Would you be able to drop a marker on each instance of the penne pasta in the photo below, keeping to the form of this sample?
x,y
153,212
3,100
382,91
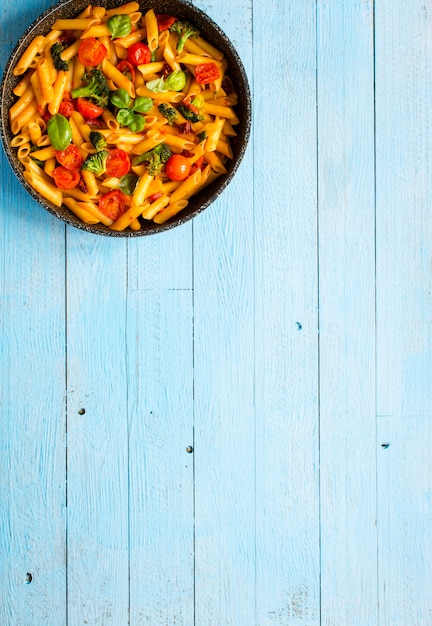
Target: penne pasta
x,y
47,190
29,55
152,29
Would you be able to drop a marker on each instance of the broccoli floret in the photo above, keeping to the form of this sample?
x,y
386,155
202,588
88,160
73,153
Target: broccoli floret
x,y
56,50
184,30
95,88
96,163
155,159
168,111
191,116
97,140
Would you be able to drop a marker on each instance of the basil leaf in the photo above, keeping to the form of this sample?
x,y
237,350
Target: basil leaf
x,y
119,25
59,131
142,104
120,98
176,80
158,85
128,183
124,117
137,124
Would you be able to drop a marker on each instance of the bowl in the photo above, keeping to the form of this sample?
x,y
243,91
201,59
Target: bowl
x,y
211,32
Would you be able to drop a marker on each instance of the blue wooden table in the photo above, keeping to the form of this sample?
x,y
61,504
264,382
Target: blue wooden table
x,y
230,424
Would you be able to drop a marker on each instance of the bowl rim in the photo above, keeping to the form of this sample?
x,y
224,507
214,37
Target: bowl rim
x,y
68,217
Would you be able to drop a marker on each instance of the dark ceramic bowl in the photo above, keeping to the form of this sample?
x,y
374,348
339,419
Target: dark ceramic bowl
x,y
210,31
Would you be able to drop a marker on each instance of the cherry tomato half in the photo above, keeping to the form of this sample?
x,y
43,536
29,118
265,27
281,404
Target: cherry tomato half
x,y
89,109
177,167
70,158
91,52
112,204
66,108
206,73
138,53
64,178
164,21
117,163
127,69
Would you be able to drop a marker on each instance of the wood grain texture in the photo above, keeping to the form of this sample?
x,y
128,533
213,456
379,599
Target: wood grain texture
x,y
286,344
32,405
347,313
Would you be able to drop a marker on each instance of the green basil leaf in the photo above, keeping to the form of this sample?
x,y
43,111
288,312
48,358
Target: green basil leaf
x,y
137,124
128,183
142,104
119,25
120,98
176,80
158,85
59,131
124,117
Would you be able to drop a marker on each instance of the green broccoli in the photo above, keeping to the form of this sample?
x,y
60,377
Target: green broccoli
x,y
155,159
96,163
56,50
95,88
97,140
189,114
168,111
184,30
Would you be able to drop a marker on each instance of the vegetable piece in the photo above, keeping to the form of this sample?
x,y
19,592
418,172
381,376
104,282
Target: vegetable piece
x,y
137,124
168,112
127,69
112,204
125,117
120,98
158,85
66,108
89,109
56,50
189,114
59,131
142,104
64,178
117,163
70,158
138,54
155,159
95,87
164,21
97,140
119,25
177,167
176,80
91,52
96,163
128,183
206,73
184,30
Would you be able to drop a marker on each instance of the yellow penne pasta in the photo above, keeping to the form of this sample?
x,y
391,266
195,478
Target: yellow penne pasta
x,y
128,7
59,90
119,79
98,12
77,137
22,103
80,195
207,47
82,126
43,141
187,188
31,166
220,111
47,190
50,165
224,148
45,153
151,209
170,211
152,29
35,132
133,37
141,190
77,73
169,56
20,140
51,38
79,211
71,51
45,80
150,69
110,120
37,90
74,23
135,225
215,162
23,151
34,48
213,131
90,182
96,30
149,143
22,86
24,117
178,141
166,96
94,210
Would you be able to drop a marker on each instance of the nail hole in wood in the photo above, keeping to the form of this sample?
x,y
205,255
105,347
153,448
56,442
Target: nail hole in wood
x,y
385,445
81,411
189,449
29,578
298,326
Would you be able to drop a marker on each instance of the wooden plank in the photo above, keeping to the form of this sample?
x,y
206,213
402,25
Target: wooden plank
x,y
286,341
98,555
223,383
160,397
404,519
404,219
345,72
32,429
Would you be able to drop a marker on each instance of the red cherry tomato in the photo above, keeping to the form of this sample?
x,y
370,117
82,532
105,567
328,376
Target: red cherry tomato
x,y
127,69
118,163
164,21
64,178
112,204
138,53
70,158
66,108
177,167
91,52
206,73
89,109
